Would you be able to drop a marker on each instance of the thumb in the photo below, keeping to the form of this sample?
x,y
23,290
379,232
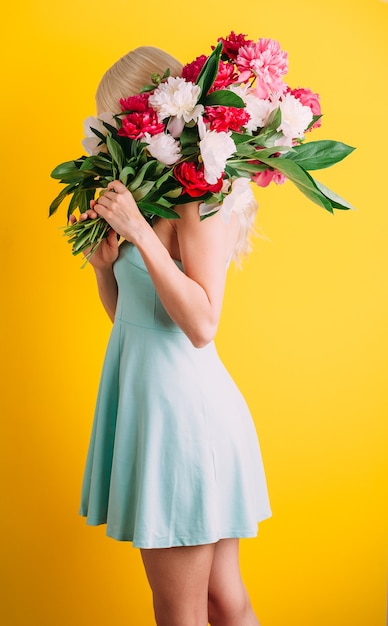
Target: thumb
x,y
113,238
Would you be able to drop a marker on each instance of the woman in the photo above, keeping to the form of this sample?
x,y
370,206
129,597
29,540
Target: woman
x,y
174,464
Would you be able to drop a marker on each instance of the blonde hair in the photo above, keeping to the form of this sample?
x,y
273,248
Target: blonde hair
x,y
246,231
126,78
131,73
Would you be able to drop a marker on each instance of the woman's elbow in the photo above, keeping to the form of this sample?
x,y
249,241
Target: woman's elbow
x,y
202,335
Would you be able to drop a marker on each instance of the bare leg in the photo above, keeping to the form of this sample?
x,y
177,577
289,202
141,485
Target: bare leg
x,y
229,604
179,579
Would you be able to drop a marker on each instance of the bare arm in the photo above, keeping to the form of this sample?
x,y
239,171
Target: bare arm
x,y
192,299
102,261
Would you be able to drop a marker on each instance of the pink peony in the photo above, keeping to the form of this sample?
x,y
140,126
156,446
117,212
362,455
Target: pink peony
x,y
223,118
267,62
263,179
232,43
308,99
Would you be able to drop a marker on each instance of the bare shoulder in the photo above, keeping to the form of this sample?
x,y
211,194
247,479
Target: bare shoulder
x,y
210,238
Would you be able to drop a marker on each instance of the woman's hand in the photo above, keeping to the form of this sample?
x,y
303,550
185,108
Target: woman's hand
x,y
108,250
118,207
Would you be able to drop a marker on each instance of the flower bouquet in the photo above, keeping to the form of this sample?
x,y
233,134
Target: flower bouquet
x,y
228,120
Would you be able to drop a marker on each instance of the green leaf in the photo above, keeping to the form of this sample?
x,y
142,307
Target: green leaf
x,y
59,199
189,137
239,138
73,204
143,190
317,155
336,201
115,150
155,209
301,179
147,88
67,171
137,181
223,97
125,173
274,120
209,71
174,193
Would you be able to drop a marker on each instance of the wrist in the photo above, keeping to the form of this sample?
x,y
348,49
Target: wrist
x,y
139,233
104,271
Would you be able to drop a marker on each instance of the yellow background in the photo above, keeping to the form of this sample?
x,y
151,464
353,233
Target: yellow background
x,y
304,329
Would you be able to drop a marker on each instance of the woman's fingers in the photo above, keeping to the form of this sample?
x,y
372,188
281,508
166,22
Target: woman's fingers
x,y
117,186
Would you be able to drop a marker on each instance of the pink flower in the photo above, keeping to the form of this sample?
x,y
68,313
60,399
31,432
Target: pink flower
x,y
223,118
267,62
308,99
232,43
263,179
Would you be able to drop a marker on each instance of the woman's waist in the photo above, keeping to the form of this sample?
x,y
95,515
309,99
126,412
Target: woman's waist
x,y
148,315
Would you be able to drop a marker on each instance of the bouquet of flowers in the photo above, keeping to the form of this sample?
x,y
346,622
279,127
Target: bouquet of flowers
x,y
228,120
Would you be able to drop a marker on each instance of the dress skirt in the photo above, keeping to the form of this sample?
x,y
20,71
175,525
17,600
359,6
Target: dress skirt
x,y
174,458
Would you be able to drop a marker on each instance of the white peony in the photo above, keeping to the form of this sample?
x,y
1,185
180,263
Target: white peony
x,y
91,142
163,147
258,109
295,119
215,148
176,98
239,200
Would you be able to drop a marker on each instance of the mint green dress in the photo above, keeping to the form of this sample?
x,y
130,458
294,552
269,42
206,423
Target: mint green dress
x,y
174,458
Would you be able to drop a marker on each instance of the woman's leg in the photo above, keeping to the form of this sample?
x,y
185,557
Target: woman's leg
x,y
229,604
179,579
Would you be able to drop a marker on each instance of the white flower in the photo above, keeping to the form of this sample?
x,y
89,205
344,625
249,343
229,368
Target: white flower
x,y
163,147
295,119
175,98
239,200
215,148
258,109
92,143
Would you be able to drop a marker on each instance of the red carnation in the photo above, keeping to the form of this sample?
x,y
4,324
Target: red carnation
x,y
136,125
223,119
193,181
191,71
232,44
138,103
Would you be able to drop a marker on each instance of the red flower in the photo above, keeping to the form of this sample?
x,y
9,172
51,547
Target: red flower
x,y
191,71
223,119
138,103
232,44
193,181
136,125
225,76
142,119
